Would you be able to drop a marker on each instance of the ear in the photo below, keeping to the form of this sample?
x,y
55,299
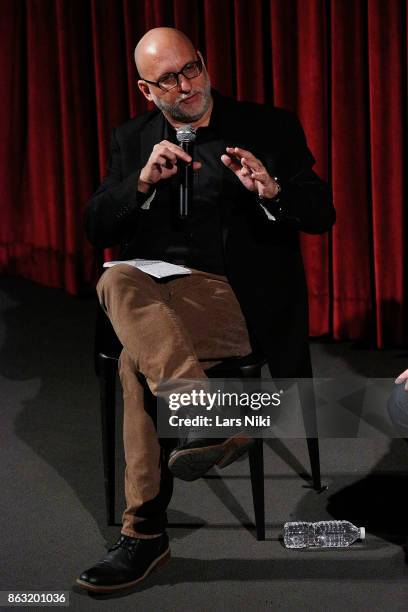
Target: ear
x,y
144,88
201,58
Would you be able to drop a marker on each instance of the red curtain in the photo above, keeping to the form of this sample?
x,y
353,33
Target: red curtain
x,y
67,77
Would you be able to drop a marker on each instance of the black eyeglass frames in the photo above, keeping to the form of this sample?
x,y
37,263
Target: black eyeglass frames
x,y
170,80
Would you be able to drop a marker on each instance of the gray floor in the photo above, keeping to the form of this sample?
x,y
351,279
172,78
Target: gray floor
x,y
52,498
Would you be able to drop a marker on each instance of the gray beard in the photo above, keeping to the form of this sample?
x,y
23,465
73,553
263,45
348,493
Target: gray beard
x,y
185,117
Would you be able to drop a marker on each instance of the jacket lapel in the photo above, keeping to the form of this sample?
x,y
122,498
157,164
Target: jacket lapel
x,y
151,134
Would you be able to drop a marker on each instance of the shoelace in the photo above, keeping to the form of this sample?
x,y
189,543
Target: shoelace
x,y
125,542
128,544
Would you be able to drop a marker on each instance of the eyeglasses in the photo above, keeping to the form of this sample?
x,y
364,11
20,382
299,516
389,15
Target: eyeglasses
x,y
170,80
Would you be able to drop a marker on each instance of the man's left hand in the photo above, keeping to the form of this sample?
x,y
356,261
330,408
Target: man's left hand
x,y
250,171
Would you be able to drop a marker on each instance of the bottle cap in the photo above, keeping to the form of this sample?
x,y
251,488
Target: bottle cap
x,y
362,533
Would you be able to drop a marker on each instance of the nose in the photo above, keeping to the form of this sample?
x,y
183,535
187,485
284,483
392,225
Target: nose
x,y
183,84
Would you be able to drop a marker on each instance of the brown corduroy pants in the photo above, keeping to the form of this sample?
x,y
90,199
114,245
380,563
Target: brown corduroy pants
x,y
170,329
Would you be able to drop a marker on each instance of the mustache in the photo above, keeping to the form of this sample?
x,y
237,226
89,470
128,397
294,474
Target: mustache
x,y
189,95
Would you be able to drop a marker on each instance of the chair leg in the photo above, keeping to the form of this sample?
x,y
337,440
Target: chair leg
x,y
256,465
308,404
314,455
107,381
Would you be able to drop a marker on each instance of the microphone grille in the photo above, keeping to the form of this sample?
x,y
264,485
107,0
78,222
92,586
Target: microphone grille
x,y
186,133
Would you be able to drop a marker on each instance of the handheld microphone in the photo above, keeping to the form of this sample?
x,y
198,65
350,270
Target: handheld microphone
x,y
186,136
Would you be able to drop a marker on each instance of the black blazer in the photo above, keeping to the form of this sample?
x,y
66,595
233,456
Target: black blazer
x,y
263,259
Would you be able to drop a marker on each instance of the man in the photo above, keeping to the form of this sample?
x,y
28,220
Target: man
x,y
254,190
398,404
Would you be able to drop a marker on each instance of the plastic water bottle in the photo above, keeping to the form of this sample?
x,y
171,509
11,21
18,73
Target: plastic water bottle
x,y
298,535
337,533
324,534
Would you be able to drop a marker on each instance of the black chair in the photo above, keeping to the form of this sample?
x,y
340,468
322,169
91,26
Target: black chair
x,y
107,351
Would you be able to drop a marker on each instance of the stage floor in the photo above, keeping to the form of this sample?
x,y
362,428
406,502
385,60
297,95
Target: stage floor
x,y
52,498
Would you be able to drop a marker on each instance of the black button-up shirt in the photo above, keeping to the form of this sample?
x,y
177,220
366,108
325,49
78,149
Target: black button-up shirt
x,y
197,242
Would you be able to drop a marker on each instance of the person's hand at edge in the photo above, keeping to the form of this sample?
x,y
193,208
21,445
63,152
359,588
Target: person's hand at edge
x,y
403,377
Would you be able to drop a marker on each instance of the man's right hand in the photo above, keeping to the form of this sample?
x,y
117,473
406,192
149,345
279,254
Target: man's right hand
x,y
162,164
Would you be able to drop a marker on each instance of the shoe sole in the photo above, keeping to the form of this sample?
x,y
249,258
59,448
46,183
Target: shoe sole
x,y
235,447
164,557
192,463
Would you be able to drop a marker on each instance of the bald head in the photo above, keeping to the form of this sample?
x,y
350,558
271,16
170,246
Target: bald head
x,y
162,51
157,44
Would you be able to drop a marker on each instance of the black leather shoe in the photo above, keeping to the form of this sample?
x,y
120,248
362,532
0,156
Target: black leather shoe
x,y
128,562
192,459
